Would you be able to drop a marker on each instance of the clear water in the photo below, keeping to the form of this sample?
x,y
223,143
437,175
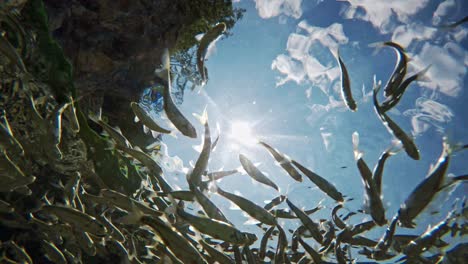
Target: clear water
x,y
277,76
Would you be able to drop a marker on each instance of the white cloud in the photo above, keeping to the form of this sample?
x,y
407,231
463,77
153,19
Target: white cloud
x,y
406,34
442,10
429,113
299,65
379,13
448,68
286,65
273,8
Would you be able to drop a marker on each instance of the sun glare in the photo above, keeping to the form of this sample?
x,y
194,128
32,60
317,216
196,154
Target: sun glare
x,y
242,134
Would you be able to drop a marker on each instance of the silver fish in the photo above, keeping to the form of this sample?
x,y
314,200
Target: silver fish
x,y
8,140
255,173
394,129
377,173
114,133
250,208
208,38
195,177
372,196
182,249
208,206
53,253
283,162
316,257
307,222
172,112
216,255
422,195
323,184
426,240
143,116
400,69
264,241
78,219
346,85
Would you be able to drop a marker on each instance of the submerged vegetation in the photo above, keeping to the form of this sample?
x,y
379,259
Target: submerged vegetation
x,y
70,195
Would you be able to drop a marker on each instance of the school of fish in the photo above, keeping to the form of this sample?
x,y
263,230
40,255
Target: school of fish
x,y
54,208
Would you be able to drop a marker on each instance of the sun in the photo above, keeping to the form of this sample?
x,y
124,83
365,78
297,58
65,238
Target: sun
x,y
242,134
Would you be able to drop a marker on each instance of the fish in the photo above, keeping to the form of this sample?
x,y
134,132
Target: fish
x,y
111,228
377,173
150,164
114,133
206,40
428,238
85,242
316,257
195,177
306,221
395,98
208,206
264,241
250,207
323,184
399,71
372,196
184,195
217,229
78,219
53,253
380,250
15,184
255,173
9,51
423,193
394,129
283,162
346,85
217,175
8,169
181,248
7,139
146,120
328,235
455,24
5,207
274,202
71,188
172,112
70,113
280,255
215,254
336,219
20,253
123,201
249,256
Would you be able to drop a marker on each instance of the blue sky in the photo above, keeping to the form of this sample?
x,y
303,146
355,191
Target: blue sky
x,y
277,74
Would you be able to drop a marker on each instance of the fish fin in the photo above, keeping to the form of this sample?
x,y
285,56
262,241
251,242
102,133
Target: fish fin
x,y
355,139
202,118
199,37
155,134
145,129
377,46
136,119
422,75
